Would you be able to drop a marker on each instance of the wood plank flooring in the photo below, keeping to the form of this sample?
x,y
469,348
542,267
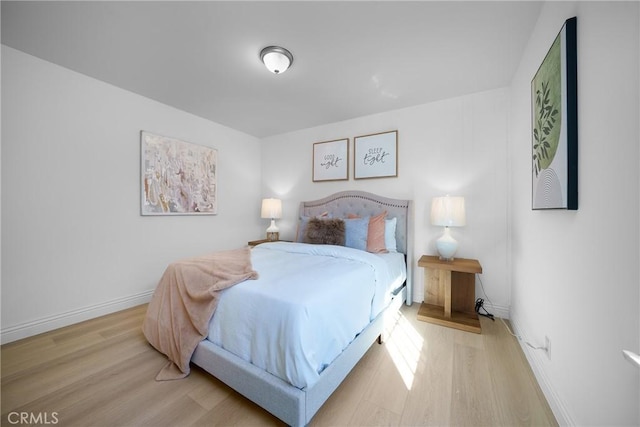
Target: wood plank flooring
x,y
101,373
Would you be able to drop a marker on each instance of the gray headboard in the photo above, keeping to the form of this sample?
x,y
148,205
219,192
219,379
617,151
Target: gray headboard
x,y
365,204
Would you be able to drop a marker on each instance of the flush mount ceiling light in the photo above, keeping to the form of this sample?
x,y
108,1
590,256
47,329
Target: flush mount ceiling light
x,y
276,59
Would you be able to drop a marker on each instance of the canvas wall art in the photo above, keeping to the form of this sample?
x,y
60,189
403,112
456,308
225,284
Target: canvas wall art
x,y
177,177
554,105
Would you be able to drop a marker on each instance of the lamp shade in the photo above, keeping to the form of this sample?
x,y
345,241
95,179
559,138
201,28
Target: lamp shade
x,y
276,59
448,211
271,208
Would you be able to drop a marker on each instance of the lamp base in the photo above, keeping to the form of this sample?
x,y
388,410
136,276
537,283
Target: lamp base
x,y
273,232
446,245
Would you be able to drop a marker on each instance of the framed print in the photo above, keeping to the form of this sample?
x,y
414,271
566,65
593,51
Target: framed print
x,y
331,160
177,177
554,116
375,156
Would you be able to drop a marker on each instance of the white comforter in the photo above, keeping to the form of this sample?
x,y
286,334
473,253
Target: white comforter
x,y
308,304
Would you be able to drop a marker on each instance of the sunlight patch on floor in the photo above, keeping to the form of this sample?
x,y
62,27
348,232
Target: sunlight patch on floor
x,y
405,346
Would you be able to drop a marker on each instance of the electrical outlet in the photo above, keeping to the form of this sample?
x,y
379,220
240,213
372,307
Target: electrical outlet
x,y
547,346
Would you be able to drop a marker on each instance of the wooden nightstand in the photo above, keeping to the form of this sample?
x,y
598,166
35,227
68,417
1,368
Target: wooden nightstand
x,y
257,242
450,292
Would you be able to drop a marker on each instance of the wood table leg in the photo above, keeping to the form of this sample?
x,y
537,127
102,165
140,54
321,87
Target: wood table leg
x,y
445,278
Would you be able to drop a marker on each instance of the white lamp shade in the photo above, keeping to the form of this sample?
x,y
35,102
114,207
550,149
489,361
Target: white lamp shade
x,y
448,211
271,208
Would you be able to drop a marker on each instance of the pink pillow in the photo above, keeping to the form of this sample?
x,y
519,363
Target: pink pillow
x,y
375,238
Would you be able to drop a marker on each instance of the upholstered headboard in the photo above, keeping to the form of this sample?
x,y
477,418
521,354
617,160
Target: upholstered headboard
x,y
362,203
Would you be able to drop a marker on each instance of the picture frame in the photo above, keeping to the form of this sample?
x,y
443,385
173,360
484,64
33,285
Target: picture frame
x,y
376,155
177,177
331,160
554,124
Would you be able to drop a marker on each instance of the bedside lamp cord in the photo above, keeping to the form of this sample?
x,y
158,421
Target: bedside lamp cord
x,y
480,306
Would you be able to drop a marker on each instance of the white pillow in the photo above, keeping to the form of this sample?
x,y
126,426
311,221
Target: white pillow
x,y
390,234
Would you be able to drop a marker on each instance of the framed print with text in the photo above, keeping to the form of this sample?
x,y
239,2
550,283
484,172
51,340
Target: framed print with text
x,y
376,156
331,160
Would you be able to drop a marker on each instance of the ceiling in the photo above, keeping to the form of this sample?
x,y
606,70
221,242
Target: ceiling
x,y
351,58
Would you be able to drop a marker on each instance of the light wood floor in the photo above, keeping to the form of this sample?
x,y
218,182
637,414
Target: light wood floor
x,y
101,373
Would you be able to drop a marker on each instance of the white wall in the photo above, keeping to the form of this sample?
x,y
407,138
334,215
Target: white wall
x,y
456,146
575,274
74,244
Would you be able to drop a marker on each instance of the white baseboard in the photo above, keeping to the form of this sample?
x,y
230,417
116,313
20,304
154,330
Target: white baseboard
x,y
45,324
536,360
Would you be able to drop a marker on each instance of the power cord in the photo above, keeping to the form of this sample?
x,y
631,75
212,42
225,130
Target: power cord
x,y
480,306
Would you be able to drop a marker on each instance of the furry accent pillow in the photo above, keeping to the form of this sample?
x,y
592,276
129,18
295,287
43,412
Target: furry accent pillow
x,y
302,225
325,231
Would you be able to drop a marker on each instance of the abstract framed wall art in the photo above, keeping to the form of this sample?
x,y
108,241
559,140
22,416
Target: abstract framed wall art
x,y
331,160
554,115
177,177
375,156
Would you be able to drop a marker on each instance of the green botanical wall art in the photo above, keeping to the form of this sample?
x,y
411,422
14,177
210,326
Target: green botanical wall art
x,y
554,114
547,114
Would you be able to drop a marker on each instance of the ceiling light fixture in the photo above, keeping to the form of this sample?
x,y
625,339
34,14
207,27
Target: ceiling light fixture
x,y
276,59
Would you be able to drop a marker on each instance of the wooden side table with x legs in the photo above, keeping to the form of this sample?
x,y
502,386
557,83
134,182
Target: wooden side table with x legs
x,y
450,292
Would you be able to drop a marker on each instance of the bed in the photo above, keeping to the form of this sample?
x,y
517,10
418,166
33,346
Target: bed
x,y
298,397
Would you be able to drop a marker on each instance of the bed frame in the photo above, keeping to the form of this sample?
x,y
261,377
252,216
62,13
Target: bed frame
x,y
297,406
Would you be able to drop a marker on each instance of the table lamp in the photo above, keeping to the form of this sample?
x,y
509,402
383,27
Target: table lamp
x,y
447,212
272,209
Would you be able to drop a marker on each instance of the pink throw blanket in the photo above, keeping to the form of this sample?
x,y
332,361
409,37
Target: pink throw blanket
x,y
186,297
